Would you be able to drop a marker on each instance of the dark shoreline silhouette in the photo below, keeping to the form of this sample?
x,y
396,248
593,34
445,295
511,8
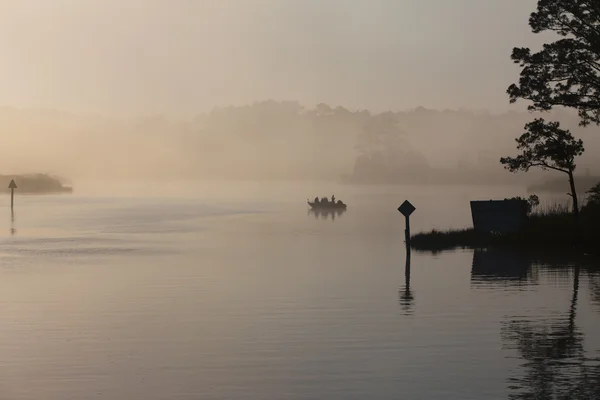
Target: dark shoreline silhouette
x,y
553,227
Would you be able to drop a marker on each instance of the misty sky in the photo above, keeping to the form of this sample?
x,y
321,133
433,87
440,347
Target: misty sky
x,y
185,56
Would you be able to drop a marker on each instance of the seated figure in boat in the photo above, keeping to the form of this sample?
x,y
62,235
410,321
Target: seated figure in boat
x,y
316,201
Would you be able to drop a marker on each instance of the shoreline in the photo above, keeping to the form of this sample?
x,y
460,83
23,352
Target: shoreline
x,y
550,229
436,241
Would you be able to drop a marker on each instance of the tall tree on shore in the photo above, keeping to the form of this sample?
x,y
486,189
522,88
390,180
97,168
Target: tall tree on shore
x,y
565,72
547,146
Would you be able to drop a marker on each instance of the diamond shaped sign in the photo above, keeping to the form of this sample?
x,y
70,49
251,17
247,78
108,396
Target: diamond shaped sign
x,y
406,208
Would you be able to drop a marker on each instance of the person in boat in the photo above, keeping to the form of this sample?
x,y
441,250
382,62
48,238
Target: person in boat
x,y
325,200
333,198
316,200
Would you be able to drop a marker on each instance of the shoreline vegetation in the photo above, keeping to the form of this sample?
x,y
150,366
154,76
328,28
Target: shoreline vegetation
x,y
552,227
545,145
35,184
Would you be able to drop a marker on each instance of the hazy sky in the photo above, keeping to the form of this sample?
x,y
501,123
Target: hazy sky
x,y
184,56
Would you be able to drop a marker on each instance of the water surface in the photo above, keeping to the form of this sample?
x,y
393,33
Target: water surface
x,y
236,291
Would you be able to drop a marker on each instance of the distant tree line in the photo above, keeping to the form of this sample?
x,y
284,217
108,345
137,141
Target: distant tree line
x,y
271,140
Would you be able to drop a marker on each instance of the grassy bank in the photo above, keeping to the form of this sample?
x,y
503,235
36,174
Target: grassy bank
x,y
552,227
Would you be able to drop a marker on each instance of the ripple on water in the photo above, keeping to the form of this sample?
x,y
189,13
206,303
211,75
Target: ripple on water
x,y
75,247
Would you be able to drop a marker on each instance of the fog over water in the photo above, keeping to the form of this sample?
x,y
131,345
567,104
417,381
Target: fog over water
x,y
186,263
263,89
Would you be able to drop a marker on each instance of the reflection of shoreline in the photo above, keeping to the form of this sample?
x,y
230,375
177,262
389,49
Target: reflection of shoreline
x,y
495,265
509,266
556,364
553,360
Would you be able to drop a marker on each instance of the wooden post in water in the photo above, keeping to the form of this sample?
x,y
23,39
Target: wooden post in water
x,y
406,295
407,270
407,209
407,232
12,186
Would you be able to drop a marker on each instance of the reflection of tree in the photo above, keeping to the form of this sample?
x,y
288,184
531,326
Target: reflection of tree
x,y
593,277
594,282
555,366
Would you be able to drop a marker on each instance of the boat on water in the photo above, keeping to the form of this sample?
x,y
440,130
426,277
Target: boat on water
x,y
324,204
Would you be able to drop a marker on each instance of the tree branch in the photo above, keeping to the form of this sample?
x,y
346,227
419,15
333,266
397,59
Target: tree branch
x,y
545,165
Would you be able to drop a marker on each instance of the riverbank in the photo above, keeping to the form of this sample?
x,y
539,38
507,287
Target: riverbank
x,y
552,228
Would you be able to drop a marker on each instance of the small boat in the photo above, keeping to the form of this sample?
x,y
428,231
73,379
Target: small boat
x,y
321,205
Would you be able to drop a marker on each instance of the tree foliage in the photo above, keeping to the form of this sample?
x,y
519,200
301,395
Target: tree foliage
x,y
565,72
594,195
532,202
547,146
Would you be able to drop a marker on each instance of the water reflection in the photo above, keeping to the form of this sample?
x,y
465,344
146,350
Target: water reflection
x,y
554,360
501,267
554,364
594,284
518,269
405,294
325,214
592,268
13,230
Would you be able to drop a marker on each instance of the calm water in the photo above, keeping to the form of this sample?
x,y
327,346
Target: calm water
x,y
236,291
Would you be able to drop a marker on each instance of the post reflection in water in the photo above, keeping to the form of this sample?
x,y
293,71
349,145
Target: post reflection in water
x,y
13,230
554,362
405,294
325,214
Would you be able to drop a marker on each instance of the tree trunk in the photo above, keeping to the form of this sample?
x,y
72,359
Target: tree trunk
x,y
575,206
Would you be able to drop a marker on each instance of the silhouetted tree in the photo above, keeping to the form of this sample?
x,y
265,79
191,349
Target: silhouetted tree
x,y
549,147
323,109
565,72
594,195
